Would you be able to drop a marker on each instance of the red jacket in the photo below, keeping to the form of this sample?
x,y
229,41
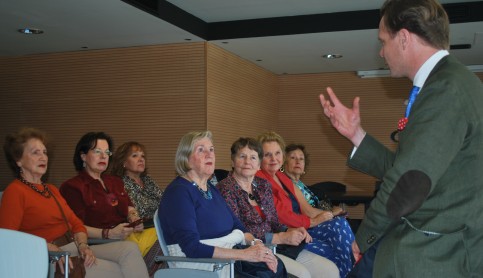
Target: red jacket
x,y
283,204
92,204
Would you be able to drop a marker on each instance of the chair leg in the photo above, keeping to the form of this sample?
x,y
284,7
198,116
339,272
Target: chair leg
x,y
52,269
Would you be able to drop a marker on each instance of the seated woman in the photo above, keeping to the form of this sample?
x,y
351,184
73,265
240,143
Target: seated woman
x,y
196,221
32,206
100,200
129,163
295,164
251,200
332,236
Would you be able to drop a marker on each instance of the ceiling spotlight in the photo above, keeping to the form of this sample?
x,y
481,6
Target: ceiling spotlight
x,y
30,31
332,56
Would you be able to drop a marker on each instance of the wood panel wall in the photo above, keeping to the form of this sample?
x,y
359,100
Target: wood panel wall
x,y
155,94
152,94
302,121
242,100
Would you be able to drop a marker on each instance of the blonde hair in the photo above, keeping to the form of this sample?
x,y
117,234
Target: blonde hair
x,y
185,149
271,136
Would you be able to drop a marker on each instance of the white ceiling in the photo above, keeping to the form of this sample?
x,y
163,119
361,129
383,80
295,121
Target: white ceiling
x,y
100,24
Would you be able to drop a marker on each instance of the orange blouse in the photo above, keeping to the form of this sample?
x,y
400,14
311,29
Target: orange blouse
x,y
25,210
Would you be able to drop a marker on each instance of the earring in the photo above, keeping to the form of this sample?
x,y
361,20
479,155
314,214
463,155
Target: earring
x,y
282,169
84,164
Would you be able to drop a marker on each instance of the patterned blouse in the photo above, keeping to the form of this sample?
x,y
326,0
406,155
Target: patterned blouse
x,y
311,198
146,200
237,200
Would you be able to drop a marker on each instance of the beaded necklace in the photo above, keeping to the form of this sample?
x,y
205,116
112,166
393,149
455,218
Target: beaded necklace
x,y
45,192
207,193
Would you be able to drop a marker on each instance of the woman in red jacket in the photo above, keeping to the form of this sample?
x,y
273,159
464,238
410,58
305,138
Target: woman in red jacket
x,y
332,235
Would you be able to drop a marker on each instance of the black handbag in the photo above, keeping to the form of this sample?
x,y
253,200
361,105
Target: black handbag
x,y
257,269
291,251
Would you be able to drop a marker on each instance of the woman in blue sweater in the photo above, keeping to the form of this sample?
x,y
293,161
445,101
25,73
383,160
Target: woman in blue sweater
x,y
196,220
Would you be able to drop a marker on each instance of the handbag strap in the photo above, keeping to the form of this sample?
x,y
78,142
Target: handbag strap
x,y
65,220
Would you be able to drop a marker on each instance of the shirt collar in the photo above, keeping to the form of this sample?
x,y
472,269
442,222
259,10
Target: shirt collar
x,y
427,67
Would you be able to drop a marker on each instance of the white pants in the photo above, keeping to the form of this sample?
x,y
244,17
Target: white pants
x,y
310,265
114,260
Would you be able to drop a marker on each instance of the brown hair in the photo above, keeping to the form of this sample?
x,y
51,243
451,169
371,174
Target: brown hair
x,y
242,142
15,144
292,147
122,153
425,18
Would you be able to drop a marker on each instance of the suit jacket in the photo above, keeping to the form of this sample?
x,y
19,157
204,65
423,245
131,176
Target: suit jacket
x,y
428,212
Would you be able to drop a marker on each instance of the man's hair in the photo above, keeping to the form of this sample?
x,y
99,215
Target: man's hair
x,y
425,18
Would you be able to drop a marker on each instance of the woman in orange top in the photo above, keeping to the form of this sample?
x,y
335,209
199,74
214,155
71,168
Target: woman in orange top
x,y
32,206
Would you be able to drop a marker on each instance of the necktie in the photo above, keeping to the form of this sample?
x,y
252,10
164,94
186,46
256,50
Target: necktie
x,y
412,97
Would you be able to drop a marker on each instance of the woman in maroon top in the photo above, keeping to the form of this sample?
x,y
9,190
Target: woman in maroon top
x,y
100,200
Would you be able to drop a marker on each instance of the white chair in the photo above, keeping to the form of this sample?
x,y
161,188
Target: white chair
x,y
185,272
25,255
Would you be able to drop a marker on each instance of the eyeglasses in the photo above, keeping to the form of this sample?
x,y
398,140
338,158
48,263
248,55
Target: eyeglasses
x,y
99,152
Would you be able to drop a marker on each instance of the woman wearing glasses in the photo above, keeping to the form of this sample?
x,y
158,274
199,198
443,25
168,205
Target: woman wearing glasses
x,y
99,199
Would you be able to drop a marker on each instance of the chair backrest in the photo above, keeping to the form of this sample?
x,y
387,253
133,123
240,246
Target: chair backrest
x,y
159,233
221,174
328,186
22,255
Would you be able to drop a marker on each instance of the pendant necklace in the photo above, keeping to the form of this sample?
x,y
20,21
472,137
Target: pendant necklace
x,y
250,195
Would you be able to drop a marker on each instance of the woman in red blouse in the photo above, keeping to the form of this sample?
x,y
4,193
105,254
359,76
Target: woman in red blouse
x,y
101,201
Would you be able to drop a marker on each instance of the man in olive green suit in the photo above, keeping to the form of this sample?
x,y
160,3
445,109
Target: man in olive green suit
x,y
428,214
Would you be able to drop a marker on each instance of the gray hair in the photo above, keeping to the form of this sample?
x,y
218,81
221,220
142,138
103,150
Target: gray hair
x,y
185,149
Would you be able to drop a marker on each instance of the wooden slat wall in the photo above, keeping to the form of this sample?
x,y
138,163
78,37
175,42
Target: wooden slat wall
x,y
156,94
301,120
242,100
149,94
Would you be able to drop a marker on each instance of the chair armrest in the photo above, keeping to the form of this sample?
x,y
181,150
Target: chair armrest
x,y
158,259
96,241
56,255
272,247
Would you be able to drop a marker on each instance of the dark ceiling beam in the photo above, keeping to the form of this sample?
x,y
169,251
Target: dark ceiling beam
x,y
287,25
172,14
292,25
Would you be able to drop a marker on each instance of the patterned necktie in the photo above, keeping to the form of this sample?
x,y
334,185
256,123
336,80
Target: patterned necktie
x,y
412,97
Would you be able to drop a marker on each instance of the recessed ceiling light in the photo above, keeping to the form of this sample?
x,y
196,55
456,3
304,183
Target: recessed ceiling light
x,y
332,56
30,31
